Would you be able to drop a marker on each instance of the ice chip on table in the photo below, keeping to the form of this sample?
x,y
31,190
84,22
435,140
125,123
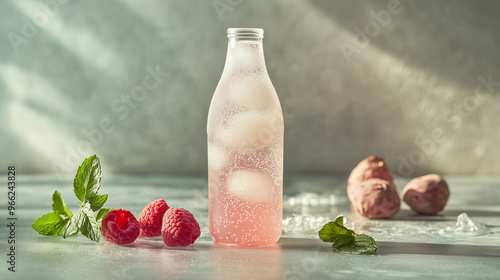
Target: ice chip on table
x,y
465,227
251,94
311,199
247,56
217,157
249,131
465,224
303,224
250,186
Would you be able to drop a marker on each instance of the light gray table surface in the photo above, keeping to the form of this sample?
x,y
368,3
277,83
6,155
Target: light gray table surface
x,y
410,246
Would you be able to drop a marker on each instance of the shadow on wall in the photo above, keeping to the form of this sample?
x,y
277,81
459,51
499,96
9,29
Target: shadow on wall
x,y
132,82
412,82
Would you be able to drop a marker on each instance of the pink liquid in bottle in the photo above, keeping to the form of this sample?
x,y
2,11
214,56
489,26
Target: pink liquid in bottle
x,y
245,148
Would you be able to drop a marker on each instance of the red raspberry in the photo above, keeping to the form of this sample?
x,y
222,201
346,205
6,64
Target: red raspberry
x,y
151,217
120,226
179,228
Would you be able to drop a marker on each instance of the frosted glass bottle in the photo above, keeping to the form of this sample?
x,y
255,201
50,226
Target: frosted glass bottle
x,y
245,148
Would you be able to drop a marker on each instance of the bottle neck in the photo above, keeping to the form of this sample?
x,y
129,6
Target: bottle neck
x,y
244,50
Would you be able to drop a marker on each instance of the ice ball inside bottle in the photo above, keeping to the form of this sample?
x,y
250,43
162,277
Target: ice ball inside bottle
x,y
250,186
217,157
249,93
246,56
249,131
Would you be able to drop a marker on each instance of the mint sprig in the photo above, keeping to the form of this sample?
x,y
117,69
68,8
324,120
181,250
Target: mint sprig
x,y
59,205
50,224
85,186
88,178
345,240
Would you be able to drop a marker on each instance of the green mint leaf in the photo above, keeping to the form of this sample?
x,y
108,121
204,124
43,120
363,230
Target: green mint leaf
x,y
332,231
345,240
85,186
50,224
342,241
367,242
102,213
362,245
88,178
59,205
73,225
97,201
89,226
339,221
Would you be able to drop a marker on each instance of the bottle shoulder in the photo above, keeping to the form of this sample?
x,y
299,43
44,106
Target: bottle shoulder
x,y
252,91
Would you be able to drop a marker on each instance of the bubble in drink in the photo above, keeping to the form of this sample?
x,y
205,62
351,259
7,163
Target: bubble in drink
x,y
249,186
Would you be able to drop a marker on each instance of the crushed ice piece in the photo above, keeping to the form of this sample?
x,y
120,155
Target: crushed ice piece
x,y
465,224
303,224
311,199
464,227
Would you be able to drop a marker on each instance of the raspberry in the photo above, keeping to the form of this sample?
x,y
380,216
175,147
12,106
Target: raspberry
x,y
179,228
151,218
120,226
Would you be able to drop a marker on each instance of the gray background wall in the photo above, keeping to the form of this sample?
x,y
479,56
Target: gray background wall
x,y
406,92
